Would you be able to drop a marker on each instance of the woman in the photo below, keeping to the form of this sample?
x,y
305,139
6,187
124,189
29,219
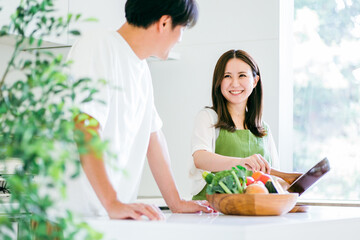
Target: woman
x,y
232,132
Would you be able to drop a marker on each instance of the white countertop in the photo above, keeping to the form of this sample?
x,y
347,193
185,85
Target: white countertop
x,y
318,223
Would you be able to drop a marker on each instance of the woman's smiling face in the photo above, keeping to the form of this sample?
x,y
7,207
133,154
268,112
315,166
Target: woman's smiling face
x,y
238,82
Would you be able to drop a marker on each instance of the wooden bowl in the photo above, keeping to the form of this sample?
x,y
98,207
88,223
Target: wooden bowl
x,y
253,204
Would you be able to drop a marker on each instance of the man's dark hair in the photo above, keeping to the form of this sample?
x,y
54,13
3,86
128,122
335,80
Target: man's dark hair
x,y
143,13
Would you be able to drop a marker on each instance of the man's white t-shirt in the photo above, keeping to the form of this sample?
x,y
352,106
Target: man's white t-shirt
x,y
127,119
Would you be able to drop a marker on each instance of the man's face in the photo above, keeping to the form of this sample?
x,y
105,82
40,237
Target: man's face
x,y
170,38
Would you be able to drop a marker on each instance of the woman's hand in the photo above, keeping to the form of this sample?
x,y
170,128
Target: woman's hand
x,y
255,162
118,210
192,207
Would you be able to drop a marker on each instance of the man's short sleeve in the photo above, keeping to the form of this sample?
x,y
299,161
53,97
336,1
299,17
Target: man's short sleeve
x,y
156,122
90,61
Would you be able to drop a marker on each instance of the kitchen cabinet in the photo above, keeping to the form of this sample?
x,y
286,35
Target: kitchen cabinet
x,y
18,222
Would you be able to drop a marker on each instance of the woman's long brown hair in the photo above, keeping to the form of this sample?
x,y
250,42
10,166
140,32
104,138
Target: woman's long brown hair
x,y
253,115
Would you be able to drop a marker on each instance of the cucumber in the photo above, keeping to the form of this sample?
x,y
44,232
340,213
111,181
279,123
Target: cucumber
x,y
270,186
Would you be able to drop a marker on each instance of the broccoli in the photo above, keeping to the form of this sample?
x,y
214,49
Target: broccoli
x,y
227,181
208,177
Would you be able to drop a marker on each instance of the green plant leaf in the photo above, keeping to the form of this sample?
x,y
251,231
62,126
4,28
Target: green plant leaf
x,y
92,123
4,30
74,32
88,99
27,64
39,42
82,117
91,19
36,120
77,17
92,132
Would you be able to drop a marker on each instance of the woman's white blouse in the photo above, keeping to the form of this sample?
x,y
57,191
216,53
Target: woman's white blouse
x,y
204,138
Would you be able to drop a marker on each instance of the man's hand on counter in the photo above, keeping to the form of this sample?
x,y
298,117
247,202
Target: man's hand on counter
x,y
136,211
191,207
159,163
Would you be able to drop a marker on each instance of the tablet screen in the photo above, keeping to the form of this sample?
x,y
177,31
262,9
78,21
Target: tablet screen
x,y
301,184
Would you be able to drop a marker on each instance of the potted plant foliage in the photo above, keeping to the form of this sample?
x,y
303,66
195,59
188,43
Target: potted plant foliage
x,y
37,112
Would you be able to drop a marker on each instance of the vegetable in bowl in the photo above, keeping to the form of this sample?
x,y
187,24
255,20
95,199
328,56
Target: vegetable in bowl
x,y
235,181
227,181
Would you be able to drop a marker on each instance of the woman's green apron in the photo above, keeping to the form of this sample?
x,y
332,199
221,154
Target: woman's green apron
x,y
242,144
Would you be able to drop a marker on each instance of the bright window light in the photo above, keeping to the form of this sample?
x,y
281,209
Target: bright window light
x,y
327,94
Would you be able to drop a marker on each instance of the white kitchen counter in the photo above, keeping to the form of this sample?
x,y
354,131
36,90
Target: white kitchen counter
x,y
325,223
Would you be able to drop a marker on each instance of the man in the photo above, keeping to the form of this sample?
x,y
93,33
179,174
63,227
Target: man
x,y
129,119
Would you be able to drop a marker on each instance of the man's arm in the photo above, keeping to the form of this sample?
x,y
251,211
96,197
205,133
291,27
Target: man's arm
x,y
159,162
95,171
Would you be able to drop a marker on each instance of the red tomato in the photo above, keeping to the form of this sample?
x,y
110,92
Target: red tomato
x,y
256,175
264,178
249,180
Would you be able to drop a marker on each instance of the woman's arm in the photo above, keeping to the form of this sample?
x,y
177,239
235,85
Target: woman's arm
x,y
214,162
203,138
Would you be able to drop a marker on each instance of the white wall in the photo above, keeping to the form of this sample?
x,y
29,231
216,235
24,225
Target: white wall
x,y
109,14
183,87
